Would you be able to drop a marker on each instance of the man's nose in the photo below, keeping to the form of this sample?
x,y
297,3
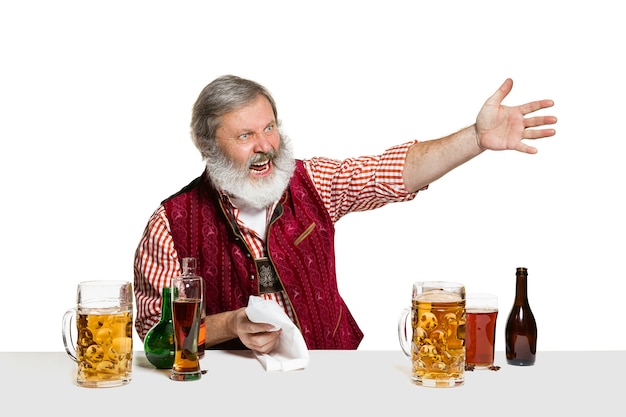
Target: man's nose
x,y
262,144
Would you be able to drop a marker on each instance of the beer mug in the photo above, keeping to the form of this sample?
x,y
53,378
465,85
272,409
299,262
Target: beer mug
x,y
432,333
101,341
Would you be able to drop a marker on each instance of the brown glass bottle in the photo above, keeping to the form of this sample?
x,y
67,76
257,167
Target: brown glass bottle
x,y
189,268
521,328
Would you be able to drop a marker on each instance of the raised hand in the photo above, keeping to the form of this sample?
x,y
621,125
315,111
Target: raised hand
x,y
501,127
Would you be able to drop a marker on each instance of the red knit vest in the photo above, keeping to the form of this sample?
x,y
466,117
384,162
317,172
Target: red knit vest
x,y
300,243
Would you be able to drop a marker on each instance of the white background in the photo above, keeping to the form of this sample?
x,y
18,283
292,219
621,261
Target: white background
x,y
95,103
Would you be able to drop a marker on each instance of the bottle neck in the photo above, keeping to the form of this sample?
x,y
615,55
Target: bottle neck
x,y
166,305
189,266
521,295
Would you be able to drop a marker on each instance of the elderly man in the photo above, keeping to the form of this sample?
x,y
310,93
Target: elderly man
x,y
262,223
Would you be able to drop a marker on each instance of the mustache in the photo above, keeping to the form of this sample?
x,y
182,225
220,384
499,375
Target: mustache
x,y
262,157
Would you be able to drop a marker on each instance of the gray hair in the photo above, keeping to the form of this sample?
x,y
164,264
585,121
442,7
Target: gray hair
x,y
221,96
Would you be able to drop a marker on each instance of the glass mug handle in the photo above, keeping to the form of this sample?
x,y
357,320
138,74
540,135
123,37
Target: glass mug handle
x,y
405,331
69,318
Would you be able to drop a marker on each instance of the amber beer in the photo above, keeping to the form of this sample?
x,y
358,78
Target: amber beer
x,y
104,347
480,335
187,296
186,318
97,333
438,348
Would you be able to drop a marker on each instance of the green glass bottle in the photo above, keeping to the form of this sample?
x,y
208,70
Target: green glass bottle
x,y
159,341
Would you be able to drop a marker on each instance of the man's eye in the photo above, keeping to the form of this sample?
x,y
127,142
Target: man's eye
x,y
244,136
269,128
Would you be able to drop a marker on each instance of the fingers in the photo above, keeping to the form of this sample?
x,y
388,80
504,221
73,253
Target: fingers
x,y
538,133
251,328
262,342
522,147
260,337
501,93
536,121
533,106
539,121
498,97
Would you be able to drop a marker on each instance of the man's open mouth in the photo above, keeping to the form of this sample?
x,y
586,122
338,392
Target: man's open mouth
x,y
260,167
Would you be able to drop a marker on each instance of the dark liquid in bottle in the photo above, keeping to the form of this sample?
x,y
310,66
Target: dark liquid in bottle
x,y
521,328
521,344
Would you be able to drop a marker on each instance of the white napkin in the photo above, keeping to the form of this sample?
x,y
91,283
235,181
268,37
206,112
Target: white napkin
x,y
291,351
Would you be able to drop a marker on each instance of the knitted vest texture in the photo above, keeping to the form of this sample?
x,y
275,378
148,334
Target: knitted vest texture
x,y
300,244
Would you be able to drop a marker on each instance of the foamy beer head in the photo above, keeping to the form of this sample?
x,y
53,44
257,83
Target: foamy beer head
x,y
438,324
432,288
439,296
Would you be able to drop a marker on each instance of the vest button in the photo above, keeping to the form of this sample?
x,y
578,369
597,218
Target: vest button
x,y
248,255
251,277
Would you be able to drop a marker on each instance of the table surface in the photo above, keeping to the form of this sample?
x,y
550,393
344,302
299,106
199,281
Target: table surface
x,y
351,383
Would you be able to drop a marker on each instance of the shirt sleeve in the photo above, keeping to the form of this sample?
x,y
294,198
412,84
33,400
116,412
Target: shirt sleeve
x,y
156,262
363,183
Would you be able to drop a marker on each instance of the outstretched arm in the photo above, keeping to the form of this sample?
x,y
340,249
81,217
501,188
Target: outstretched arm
x,y
497,127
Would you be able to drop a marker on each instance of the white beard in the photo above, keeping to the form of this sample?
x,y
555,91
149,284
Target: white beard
x,y
236,182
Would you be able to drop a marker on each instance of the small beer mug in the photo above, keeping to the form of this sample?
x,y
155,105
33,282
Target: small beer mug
x,y
101,341
432,333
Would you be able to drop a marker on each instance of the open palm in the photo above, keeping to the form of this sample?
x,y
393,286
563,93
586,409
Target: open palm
x,y
501,127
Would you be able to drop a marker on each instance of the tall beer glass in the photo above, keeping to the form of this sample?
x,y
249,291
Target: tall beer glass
x,y
187,296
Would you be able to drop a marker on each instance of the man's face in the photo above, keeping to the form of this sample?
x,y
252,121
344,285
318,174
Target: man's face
x,y
250,159
248,135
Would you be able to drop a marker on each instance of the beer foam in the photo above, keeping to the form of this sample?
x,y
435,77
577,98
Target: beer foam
x,y
481,310
439,296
